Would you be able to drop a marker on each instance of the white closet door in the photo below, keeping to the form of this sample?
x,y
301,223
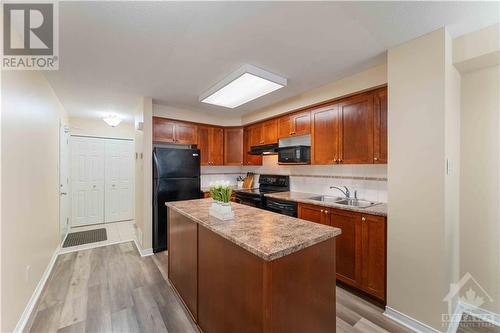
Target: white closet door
x,y
87,180
119,193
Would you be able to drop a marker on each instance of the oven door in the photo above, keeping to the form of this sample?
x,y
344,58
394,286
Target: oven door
x,y
282,207
249,200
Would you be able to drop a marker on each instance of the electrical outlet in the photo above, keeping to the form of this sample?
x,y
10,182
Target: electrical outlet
x,y
28,271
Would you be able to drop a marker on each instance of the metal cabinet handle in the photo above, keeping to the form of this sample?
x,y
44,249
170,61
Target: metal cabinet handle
x,y
375,158
363,219
64,193
322,211
326,212
94,186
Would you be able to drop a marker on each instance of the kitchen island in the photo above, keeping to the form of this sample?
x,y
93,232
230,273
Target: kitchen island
x,y
261,272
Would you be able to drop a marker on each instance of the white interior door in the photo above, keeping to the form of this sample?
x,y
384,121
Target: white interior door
x,y
87,180
119,188
64,200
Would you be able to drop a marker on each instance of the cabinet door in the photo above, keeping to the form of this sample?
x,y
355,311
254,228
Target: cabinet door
x,y
373,255
216,146
270,131
233,146
249,159
203,145
313,213
347,245
356,130
163,130
380,127
301,123
185,133
324,138
256,138
285,126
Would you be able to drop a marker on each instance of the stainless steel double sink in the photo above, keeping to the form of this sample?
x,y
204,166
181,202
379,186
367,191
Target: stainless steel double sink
x,y
345,201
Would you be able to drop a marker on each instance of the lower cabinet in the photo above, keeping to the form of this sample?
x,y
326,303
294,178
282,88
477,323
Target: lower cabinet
x,y
361,249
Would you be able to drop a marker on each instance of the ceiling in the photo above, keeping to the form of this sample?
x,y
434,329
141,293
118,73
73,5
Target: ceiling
x,y
112,53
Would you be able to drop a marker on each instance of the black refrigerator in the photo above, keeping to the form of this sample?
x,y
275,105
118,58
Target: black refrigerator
x,y
176,176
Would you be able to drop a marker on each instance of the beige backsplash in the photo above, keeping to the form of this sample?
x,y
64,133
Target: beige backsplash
x,y
369,180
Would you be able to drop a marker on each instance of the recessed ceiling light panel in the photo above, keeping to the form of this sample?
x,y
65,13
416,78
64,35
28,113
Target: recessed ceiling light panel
x,y
242,86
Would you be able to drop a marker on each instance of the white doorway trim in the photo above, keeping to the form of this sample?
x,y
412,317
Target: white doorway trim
x,y
64,184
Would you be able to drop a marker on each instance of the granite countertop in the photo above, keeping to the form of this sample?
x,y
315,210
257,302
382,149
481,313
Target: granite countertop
x,y
379,209
266,234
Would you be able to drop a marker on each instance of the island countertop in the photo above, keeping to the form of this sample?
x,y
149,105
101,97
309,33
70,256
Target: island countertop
x,y
267,235
379,209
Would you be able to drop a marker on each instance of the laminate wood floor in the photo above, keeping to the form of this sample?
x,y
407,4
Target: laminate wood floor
x,y
113,289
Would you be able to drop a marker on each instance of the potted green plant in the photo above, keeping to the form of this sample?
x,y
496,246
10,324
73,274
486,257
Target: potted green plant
x,y
221,191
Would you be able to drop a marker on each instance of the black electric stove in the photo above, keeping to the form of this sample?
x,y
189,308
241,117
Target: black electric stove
x,y
267,184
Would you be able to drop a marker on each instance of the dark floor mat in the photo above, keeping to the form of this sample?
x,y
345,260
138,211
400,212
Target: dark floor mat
x,y
85,237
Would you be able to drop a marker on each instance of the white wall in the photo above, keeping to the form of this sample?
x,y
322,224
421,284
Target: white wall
x,y
98,128
422,128
31,113
480,181
166,111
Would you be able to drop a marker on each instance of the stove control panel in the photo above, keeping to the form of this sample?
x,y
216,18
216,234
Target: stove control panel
x,y
276,180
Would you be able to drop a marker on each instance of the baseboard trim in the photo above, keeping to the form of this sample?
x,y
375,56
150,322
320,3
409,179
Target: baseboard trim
x,y
143,252
408,321
36,293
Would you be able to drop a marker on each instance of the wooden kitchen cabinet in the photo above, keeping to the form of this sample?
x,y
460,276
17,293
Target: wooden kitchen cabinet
x,y
163,130
211,145
233,146
313,213
294,124
361,249
380,126
249,159
170,131
270,131
325,135
356,129
263,133
347,245
373,255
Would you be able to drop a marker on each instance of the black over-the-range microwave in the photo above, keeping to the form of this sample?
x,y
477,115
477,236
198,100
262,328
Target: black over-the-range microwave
x,y
294,155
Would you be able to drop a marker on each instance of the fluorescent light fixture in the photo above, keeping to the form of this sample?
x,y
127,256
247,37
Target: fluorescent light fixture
x,y
112,120
242,86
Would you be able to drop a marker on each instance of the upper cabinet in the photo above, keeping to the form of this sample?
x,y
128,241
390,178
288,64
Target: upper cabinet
x,y
263,133
380,128
294,124
169,131
325,135
356,129
249,159
233,146
163,130
351,131
211,145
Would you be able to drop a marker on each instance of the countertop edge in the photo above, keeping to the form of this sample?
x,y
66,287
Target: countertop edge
x,y
266,257
368,210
